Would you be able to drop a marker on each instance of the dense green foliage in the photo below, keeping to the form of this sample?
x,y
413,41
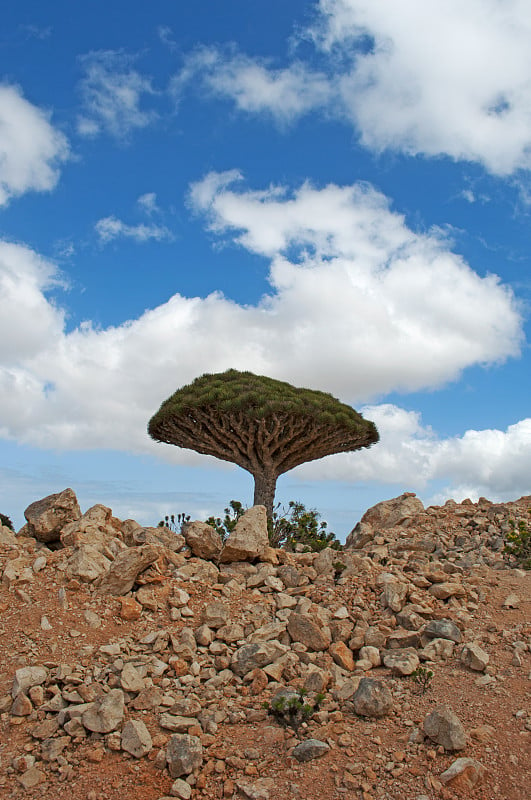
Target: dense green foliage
x,y
6,522
518,542
257,397
300,526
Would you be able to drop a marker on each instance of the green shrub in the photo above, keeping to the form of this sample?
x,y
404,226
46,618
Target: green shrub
x,y
292,711
299,525
518,542
174,523
4,520
423,678
228,523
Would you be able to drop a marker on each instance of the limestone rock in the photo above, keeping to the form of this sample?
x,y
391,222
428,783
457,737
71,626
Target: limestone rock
x,y
184,754
342,655
402,662
445,728
106,714
181,789
359,536
390,513
310,749
474,657
394,595
136,738
125,569
249,539
26,677
303,629
203,540
372,698
463,774
442,629
251,656
47,517
87,563
437,650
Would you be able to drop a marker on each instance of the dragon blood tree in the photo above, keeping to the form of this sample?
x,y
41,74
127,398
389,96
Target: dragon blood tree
x,y
265,426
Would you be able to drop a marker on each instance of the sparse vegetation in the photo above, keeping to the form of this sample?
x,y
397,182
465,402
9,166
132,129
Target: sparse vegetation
x,y
518,542
300,526
6,522
423,677
174,523
227,524
292,710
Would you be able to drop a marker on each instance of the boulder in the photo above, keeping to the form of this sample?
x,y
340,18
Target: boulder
x,y
47,517
252,656
390,513
445,728
359,536
474,657
442,629
125,569
372,698
87,563
136,738
26,677
184,754
105,714
249,539
302,628
203,540
402,662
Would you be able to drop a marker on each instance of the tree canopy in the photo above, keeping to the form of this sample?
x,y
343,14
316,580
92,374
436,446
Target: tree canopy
x,y
265,426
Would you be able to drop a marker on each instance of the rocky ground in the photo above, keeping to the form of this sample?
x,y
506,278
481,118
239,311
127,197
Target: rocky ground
x,y
135,662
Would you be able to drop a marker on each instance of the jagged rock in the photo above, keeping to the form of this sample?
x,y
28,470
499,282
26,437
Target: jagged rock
x,y
125,569
22,706
87,563
442,591
31,778
130,679
437,650
372,698
255,790
215,615
402,662
136,738
249,539
445,728
184,754
106,714
359,536
474,657
442,629
303,629
97,527
47,517
342,655
310,749
251,656
203,540
181,789
7,536
394,595
26,677
394,512
463,774
51,749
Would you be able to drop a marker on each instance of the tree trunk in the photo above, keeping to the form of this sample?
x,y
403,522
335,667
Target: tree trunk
x,y
265,484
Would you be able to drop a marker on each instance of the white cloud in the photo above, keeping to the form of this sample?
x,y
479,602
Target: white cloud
x,y
113,93
31,149
439,78
285,94
148,203
359,304
492,463
109,228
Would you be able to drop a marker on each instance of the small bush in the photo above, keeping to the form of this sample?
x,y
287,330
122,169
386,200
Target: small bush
x,y
226,525
298,525
291,712
6,522
518,542
423,678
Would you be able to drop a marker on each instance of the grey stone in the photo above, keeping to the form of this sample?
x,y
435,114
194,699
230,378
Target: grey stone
x,y
394,595
359,536
26,677
303,629
251,656
445,728
87,563
136,738
463,773
106,713
181,789
215,615
184,754
310,749
474,657
402,662
442,629
372,698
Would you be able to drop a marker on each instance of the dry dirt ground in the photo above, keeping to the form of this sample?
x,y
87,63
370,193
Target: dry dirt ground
x,y
367,760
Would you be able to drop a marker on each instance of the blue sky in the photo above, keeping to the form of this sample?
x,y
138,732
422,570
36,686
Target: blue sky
x,y
333,193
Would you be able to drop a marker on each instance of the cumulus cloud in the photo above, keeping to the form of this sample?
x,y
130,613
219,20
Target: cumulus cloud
x,y
359,304
31,149
285,94
113,93
109,228
492,463
444,78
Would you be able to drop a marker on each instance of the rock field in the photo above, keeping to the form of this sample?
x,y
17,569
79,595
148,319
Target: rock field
x,y
138,663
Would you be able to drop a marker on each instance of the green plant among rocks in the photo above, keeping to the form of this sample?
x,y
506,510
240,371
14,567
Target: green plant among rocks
x,y
518,542
298,525
174,523
338,568
6,522
293,709
423,677
226,525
